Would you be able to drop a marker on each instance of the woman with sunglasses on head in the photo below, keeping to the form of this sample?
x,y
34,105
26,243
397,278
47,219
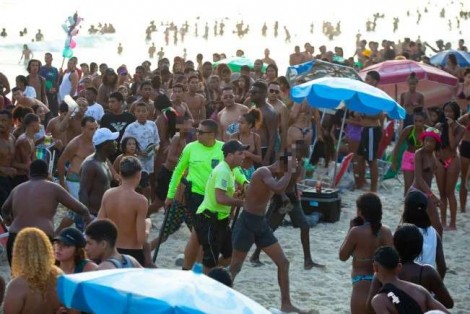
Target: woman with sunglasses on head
x,y
247,136
448,166
425,166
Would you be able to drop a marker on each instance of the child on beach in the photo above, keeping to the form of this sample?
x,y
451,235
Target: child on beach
x,y
129,147
365,235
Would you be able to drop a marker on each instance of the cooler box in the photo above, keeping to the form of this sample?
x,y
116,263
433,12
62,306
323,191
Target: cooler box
x,y
328,203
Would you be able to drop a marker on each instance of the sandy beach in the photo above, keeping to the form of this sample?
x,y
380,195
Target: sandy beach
x,y
323,290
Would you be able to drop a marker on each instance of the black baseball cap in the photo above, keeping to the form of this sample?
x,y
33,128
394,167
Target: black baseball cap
x,y
71,237
416,200
233,146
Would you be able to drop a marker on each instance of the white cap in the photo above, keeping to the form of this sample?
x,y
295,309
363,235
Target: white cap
x,y
104,134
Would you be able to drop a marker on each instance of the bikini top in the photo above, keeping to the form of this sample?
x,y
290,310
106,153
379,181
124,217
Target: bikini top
x,y
413,140
461,95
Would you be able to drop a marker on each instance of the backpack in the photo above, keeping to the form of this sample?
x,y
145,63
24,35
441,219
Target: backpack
x,y
125,263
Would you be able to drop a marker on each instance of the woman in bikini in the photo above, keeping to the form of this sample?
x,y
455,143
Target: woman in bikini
x,y
271,73
464,150
365,235
448,166
408,241
425,166
246,135
300,129
463,93
411,135
411,100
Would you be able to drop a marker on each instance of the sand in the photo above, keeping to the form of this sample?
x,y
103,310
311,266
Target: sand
x,y
324,290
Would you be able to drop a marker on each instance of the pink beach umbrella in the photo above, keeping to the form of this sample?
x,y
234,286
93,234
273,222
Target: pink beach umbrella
x,y
437,86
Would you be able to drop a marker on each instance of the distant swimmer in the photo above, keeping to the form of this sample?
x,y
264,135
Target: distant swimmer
x,y
120,49
264,29
39,36
152,50
160,54
26,55
287,40
3,33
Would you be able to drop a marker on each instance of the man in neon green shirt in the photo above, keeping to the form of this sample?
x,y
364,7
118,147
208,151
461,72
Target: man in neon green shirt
x,y
198,158
213,215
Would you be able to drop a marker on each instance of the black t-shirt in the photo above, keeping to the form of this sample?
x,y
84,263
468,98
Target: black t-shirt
x,y
117,123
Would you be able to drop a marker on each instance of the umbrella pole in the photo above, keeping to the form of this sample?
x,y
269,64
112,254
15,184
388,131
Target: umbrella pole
x,y
312,147
161,233
338,145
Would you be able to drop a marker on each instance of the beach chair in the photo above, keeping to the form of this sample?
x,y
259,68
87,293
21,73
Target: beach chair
x,y
326,179
343,168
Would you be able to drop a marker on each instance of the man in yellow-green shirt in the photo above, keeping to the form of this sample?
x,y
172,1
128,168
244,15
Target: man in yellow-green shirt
x,y
198,158
213,215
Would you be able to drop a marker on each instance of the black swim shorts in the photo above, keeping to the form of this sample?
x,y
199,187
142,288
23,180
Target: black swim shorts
x,y
250,229
296,215
214,236
369,145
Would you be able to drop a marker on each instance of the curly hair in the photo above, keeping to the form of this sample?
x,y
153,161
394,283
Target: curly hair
x,y
33,260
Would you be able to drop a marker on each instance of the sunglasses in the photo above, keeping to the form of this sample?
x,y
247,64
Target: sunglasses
x,y
274,91
199,131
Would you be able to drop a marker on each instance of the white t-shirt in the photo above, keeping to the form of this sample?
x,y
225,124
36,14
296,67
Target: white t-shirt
x,y
29,92
428,254
147,136
96,111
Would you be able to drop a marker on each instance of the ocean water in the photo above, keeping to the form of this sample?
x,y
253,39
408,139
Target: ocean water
x,y
130,19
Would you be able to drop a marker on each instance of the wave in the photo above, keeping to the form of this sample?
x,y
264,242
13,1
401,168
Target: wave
x,y
56,45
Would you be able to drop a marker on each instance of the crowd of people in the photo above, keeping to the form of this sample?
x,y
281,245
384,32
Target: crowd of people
x,y
201,142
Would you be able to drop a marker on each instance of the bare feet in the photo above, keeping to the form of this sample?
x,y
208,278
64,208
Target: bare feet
x,y
310,264
289,308
255,261
450,228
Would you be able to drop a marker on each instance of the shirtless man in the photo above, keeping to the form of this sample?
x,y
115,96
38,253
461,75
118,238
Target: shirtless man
x,y
72,122
22,100
290,198
397,294
7,154
98,79
274,91
37,81
267,59
177,101
270,125
34,204
297,57
128,210
370,139
60,138
411,100
79,148
101,237
95,173
25,150
195,101
257,196
146,91
228,117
